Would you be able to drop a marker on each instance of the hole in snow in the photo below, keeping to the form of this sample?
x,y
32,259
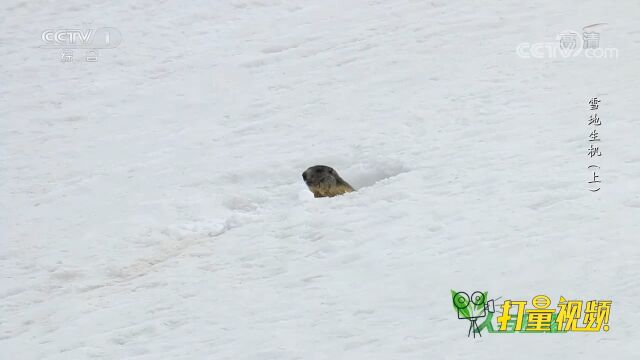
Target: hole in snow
x,y
367,174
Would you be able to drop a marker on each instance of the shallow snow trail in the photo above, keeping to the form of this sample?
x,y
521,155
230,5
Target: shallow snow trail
x,y
154,206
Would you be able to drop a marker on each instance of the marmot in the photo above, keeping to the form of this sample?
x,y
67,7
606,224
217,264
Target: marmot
x,y
323,181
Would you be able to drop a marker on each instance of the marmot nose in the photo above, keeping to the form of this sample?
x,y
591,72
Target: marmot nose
x,y
304,176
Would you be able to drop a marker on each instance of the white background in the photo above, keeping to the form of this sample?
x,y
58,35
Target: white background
x,y
153,205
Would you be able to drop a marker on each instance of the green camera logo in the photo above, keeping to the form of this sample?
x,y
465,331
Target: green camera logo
x,y
472,308
570,316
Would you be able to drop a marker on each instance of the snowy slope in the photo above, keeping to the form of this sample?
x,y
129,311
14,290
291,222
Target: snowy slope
x,y
153,205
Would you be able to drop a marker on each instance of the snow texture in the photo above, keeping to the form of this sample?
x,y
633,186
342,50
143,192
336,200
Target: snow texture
x,y
153,205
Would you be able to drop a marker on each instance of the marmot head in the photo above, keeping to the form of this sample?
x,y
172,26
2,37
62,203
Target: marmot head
x,y
324,181
320,176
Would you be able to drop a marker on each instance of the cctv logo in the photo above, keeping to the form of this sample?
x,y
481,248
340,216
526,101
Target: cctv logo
x,y
66,38
101,38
